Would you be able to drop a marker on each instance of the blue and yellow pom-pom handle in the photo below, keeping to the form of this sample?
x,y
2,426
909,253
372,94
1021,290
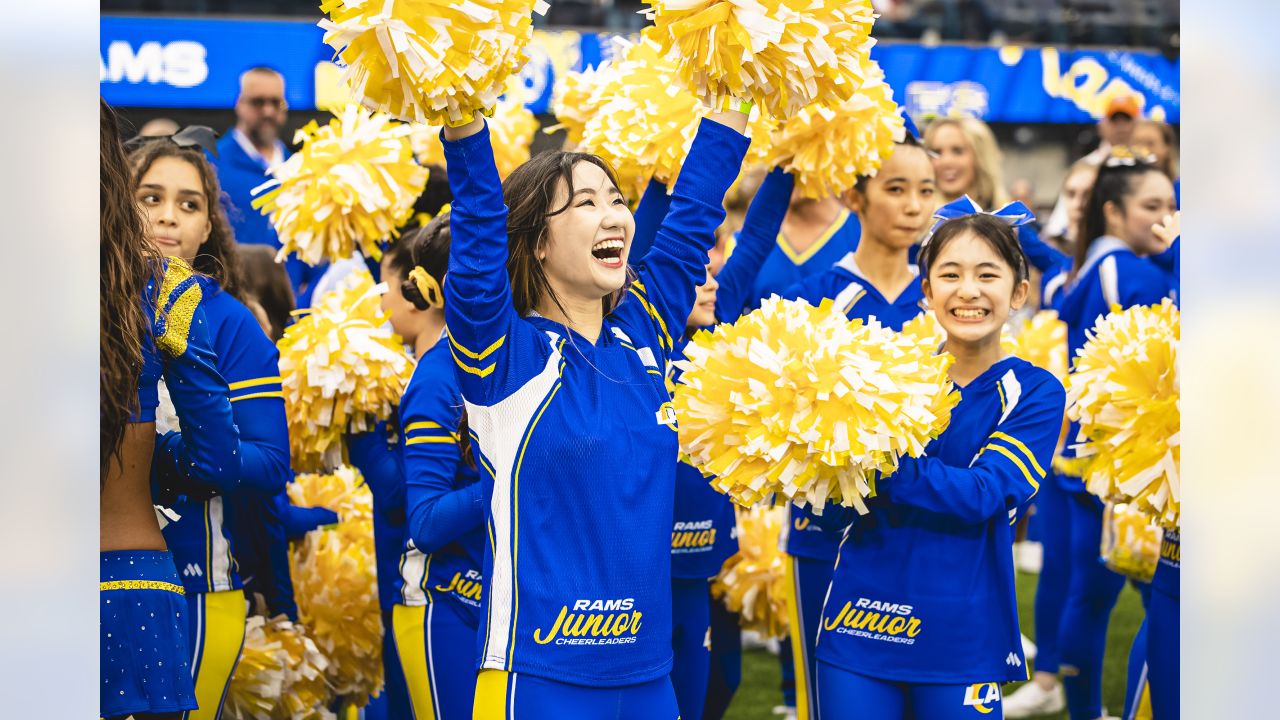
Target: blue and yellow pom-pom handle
x,y
179,297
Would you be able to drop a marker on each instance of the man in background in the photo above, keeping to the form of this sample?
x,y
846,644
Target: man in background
x,y
244,155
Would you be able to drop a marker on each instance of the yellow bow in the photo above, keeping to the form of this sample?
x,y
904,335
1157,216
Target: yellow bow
x,y
427,286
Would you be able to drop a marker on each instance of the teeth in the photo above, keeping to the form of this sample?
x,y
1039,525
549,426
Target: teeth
x,y
972,314
607,245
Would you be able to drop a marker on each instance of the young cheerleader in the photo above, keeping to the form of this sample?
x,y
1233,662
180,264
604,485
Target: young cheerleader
x,y
561,364
876,280
152,324
436,613
1120,261
921,619
178,191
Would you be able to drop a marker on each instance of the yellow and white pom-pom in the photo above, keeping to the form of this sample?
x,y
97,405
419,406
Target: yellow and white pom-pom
x,y
575,100
1124,392
280,675
341,370
798,400
644,124
926,330
511,130
781,54
1041,341
352,184
335,582
753,583
429,61
828,145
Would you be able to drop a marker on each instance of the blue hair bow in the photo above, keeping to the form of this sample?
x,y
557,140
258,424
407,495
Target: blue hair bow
x,y
1015,214
910,125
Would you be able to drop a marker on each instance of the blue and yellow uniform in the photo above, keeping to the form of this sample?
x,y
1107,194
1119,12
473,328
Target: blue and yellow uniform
x,y
810,549
1111,275
784,267
575,440
441,575
922,616
143,634
201,539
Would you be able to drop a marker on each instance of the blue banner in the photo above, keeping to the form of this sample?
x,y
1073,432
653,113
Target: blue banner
x,y
190,63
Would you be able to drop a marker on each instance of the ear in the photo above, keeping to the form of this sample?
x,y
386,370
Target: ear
x,y
208,230
928,291
854,200
1020,293
1113,214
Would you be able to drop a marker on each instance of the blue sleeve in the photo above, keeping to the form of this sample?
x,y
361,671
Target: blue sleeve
x,y
670,273
1007,472
208,451
438,512
1148,280
370,453
1170,261
298,521
494,350
649,213
1042,256
759,234
251,365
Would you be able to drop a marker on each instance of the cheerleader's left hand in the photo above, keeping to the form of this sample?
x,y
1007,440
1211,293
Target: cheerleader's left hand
x,y
1168,229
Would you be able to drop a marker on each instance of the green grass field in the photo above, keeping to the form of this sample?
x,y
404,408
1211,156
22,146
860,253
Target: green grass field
x,y
759,692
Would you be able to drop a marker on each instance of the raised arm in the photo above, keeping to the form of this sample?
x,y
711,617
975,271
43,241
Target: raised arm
x,y
1042,256
653,207
675,266
482,321
1007,472
758,236
208,449
439,512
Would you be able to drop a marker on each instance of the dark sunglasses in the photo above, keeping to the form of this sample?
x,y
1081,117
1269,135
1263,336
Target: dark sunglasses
x,y
201,136
260,102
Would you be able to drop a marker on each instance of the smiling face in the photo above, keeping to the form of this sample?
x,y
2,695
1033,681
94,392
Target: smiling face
x,y
896,205
1150,198
954,160
704,304
972,290
177,209
585,253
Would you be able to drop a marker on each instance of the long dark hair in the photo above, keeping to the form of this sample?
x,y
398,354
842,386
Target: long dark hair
x,y
128,261
426,247
1115,183
265,280
529,192
216,256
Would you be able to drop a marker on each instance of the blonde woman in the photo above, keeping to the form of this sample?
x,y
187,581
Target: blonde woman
x,y
967,160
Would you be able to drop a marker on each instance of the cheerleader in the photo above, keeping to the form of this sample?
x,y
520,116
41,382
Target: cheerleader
x,y
561,363
968,161
143,642
876,280
178,192
436,615
921,618
1124,262
703,532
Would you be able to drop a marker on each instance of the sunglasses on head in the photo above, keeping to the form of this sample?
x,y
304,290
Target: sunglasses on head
x,y
200,136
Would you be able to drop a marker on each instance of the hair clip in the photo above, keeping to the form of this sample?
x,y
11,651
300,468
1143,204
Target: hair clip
x,y
202,136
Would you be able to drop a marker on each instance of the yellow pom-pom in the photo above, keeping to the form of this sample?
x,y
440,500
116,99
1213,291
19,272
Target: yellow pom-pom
x,y
798,400
1041,341
280,676
429,61
1124,392
643,125
1130,542
335,582
781,54
753,583
352,184
829,145
511,130
574,101
342,370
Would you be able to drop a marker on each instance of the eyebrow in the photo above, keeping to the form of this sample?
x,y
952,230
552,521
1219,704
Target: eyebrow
x,y
950,263
612,190
153,186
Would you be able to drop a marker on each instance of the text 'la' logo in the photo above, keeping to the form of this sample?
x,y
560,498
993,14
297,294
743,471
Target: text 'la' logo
x,y
980,695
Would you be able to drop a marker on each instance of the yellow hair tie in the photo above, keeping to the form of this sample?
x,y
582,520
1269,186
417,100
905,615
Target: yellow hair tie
x,y
427,286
